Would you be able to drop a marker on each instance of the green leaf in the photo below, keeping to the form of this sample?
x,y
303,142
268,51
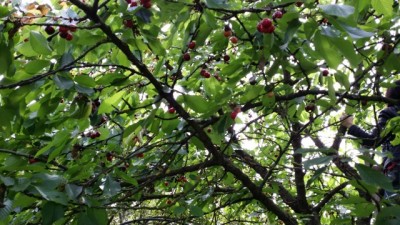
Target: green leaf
x,y
39,43
197,103
316,175
196,211
4,11
51,195
388,216
384,7
356,33
374,177
337,10
93,217
324,160
107,105
217,4
178,210
324,48
73,191
6,209
293,26
63,82
52,212
111,187
36,66
85,80
331,90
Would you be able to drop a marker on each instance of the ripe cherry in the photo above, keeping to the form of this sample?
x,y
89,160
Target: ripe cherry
x,y
266,22
270,29
49,30
227,58
140,155
171,110
192,45
277,14
69,37
299,4
128,23
310,107
109,156
227,33
32,160
63,34
186,56
234,39
63,29
234,115
325,73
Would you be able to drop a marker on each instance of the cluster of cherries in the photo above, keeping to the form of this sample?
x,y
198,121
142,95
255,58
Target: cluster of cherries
x,y
65,32
145,3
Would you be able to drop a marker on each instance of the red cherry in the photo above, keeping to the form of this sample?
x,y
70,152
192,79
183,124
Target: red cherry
x,y
234,39
202,72
69,37
63,29
109,156
147,5
169,202
133,4
325,73
227,58
299,4
140,155
310,107
261,28
166,183
128,23
227,28
270,29
63,34
277,15
207,74
128,1
49,30
186,56
227,33
192,45
32,160
73,28
234,115
171,110
266,22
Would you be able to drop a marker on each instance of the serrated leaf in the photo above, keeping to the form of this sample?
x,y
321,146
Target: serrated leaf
x,y
355,32
51,212
92,216
35,66
4,11
179,210
331,91
111,187
63,82
383,7
196,211
85,80
337,10
324,160
39,43
324,48
374,177
197,103
107,105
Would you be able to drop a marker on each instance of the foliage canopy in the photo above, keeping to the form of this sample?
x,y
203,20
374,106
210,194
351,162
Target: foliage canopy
x,y
193,112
